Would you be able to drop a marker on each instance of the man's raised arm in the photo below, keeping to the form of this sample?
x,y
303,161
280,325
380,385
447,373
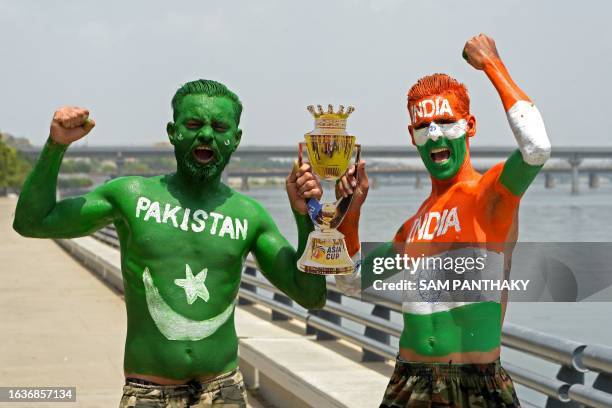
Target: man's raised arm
x,y
525,120
38,214
278,259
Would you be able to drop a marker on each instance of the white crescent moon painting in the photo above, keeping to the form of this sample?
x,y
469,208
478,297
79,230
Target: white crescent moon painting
x,y
175,326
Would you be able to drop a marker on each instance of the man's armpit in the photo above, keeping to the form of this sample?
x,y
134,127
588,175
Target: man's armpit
x,y
496,202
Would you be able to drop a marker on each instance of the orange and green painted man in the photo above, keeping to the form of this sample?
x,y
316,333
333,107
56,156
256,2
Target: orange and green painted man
x,y
465,208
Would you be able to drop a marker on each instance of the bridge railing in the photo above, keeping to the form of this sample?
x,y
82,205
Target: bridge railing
x,y
377,331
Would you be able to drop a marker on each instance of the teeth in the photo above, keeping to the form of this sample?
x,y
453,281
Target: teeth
x,y
439,149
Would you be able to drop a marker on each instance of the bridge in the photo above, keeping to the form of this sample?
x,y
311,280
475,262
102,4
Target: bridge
x,y
64,324
419,173
391,151
572,156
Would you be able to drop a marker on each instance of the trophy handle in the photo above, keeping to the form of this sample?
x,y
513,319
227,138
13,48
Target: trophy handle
x,y
300,154
343,204
357,159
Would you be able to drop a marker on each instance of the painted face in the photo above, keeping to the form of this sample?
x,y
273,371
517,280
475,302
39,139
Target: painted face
x,y
204,135
439,133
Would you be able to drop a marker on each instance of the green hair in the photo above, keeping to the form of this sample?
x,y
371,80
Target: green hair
x,y
209,88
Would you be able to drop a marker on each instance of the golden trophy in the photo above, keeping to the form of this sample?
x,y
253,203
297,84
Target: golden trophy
x,y
330,149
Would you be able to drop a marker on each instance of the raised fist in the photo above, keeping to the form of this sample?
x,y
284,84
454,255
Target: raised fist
x,y
70,124
480,50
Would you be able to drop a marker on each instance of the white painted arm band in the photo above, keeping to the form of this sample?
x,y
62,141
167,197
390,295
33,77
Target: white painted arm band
x,y
350,285
529,132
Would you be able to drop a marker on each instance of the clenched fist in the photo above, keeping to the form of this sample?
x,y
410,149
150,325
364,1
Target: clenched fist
x,y
70,124
355,182
302,185
479,51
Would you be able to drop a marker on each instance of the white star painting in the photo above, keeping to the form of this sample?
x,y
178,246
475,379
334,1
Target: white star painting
x,y
194,285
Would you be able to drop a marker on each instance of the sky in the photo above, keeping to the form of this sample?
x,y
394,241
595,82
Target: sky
x,y
124,61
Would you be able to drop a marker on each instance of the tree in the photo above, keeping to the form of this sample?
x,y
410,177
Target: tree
x,y
13,168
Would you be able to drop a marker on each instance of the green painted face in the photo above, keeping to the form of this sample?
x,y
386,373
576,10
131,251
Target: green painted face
x,y
205,134
447,168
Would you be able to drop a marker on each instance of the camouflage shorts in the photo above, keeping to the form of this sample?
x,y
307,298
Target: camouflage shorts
x,y
431,385
226,391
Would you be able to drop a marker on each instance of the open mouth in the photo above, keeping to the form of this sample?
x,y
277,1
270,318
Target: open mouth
x,y
440,154
203,154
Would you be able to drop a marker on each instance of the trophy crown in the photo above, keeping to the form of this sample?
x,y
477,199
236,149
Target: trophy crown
x,y
341,113
328,122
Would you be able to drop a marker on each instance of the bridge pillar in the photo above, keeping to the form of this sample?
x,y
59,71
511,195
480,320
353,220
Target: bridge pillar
x,y
593,180
120,161
418,183
575,162
244,185
549,180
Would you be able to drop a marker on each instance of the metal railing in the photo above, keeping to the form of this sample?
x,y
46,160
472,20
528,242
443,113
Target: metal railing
x,y
567,389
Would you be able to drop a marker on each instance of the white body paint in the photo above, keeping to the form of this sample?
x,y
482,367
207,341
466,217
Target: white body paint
x,y
529,132
428,108
350,285
175,326
434,131
192,220
194,285
434,224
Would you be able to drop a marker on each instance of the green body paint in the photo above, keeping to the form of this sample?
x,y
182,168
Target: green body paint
x,y
472,327
184,238
517,175
446,170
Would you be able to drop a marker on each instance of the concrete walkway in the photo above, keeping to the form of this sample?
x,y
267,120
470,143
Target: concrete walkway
x,y
59,325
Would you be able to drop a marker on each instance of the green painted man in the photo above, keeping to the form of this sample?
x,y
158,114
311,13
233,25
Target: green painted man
x,y
184,238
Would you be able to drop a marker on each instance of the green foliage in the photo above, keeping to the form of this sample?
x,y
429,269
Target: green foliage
x,y
13,168
76,166
136,167
107,168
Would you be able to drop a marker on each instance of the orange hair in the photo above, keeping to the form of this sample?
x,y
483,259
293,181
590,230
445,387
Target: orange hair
x,y
438,84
